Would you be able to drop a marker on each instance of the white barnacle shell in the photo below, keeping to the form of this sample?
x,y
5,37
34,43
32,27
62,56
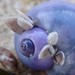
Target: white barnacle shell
x,y
24,21
47,51
59,58
21,14
12,24
52,38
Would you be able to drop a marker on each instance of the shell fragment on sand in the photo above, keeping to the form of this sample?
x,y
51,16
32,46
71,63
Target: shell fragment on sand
x,y
8,60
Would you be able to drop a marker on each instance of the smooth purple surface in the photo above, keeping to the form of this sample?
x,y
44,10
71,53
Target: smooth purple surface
x,y
56,16
39,38
50,5
50,11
